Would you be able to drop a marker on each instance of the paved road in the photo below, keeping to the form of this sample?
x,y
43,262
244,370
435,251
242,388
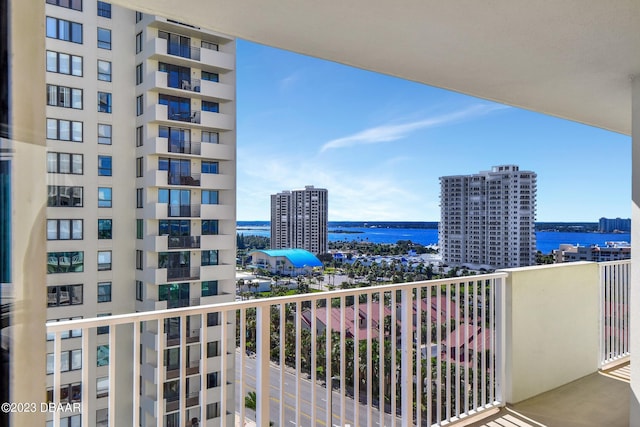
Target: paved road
x,y
293,417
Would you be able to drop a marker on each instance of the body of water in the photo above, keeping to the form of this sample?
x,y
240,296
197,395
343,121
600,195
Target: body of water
x,y
546,240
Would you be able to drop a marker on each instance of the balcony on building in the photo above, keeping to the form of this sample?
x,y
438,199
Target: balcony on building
x,y
188,55
511,345
182,273
191,179
186,211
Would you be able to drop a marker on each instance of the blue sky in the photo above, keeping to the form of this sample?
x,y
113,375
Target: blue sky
x,y
379,144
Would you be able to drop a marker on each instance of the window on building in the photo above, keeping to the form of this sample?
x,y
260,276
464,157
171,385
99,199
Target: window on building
x,y
70,360
139,228
139,16
102,355
64,229
104,70
69,393
208,45
139,75
178,108
105,228
69,4
102,417
209,227
102,330
139,295
73,333
209,257
62,96
65,262
102,387
212,107
104,197
64,30
212,77
58,296
104,9
104,166
104,292
104,38
213,349
139,199
63,196
213,319
211,137
139,42
139,105
213,379
64,130
104,260
209,197
104,134
63,63
104,102
139,136
209,288
139,167
213,410
65,163
209,167
139,263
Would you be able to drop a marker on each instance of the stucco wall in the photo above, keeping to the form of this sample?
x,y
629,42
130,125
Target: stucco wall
x,y
552,335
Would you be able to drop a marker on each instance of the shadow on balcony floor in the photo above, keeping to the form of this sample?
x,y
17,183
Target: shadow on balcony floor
x,y
599,399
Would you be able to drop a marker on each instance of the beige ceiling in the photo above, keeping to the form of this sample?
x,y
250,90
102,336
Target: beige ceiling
x,y
568,58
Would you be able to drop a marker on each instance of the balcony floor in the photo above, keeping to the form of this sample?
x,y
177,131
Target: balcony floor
x,y
599,399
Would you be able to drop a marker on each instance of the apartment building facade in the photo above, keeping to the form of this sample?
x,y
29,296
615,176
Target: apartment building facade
x,y
140,128
487,219
299,219
614,225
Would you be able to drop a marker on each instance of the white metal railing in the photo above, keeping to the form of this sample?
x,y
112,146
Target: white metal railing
x,y
418,353
614,308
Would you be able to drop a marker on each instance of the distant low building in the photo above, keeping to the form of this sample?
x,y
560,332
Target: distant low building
x,y
612,225
287,262
611,251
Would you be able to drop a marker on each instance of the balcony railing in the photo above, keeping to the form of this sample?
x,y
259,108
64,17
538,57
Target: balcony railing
x,y
183,242
615,294
192,85
395,326
184,51
177,179
183,147
182,273
188,211
184,116
423,353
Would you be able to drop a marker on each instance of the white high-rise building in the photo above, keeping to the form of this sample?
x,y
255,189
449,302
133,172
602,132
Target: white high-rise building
x,y
140,127
487,219
299,219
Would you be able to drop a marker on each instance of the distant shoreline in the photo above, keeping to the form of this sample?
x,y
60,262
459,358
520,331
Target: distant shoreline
x,y
339,226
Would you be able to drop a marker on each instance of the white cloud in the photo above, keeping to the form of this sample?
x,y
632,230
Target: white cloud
x,y
375,192
393,132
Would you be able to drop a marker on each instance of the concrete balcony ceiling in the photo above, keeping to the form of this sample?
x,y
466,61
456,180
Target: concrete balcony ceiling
x,y
572,58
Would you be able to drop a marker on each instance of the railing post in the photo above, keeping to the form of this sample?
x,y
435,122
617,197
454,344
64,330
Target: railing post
x,y
500,351
406,365
263,323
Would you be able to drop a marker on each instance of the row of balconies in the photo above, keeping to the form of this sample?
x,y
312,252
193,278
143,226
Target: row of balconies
x,y
158,178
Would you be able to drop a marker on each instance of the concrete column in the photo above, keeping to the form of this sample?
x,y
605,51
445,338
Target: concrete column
x,y
26,118
635,251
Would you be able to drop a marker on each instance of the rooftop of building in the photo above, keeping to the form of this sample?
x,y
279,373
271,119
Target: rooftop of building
x,y
297,257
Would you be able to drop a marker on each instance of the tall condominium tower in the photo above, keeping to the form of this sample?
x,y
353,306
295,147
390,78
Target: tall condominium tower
x,y
487,219
140,139
299,219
